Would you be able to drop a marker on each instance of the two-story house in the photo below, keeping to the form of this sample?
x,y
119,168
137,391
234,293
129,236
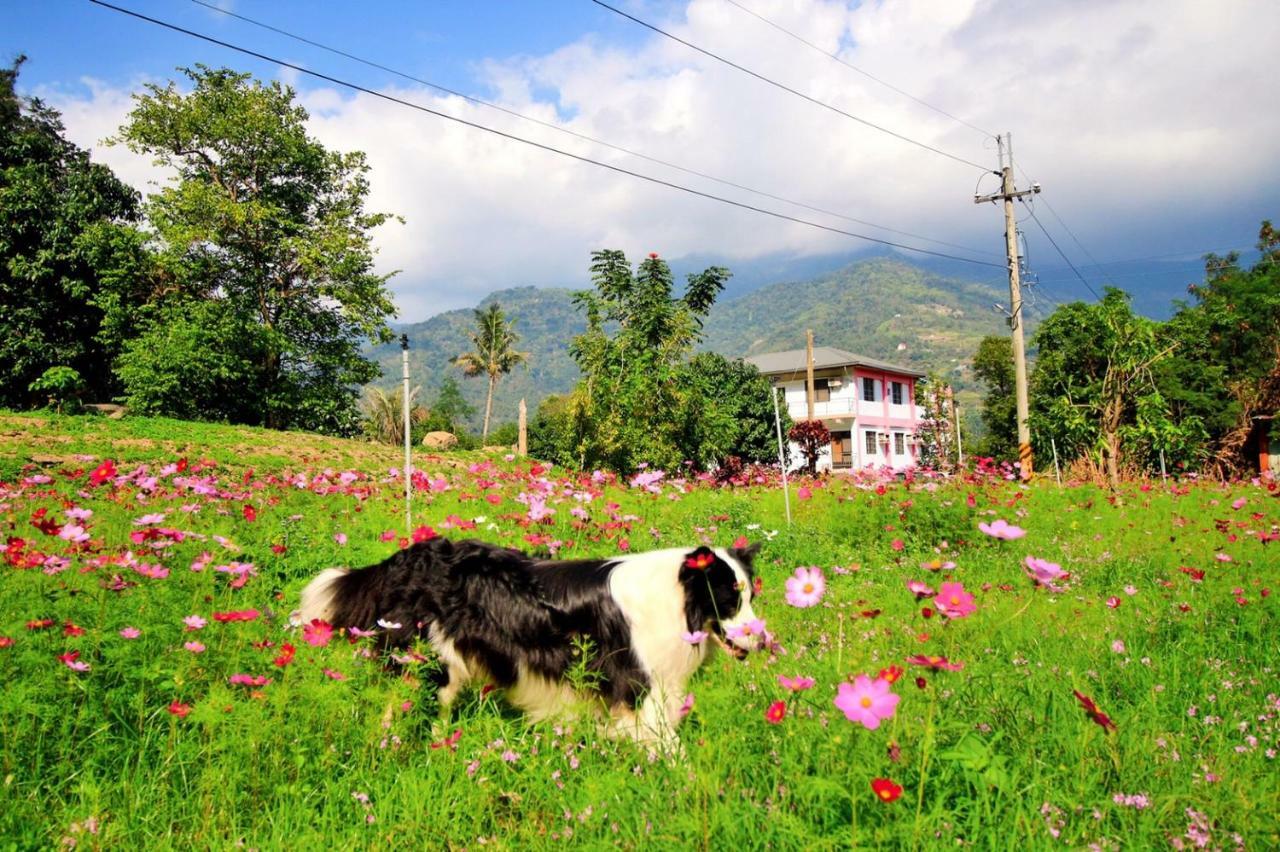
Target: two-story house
x,y
868,405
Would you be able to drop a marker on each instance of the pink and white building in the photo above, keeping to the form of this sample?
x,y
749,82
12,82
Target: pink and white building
x,y
868,405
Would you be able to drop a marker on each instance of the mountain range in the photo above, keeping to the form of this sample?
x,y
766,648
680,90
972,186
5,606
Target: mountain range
x,y
883,307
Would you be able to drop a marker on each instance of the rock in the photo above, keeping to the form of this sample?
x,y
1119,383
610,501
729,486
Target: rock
x,y
439,440
111,410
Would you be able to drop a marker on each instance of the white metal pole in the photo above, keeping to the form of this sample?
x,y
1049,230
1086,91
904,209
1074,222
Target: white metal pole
x,y
1057,472
408,461
782,458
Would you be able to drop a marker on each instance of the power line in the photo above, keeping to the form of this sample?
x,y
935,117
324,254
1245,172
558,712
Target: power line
x,y
1198,256
788,89
853,67
512,137
583,136
1061,253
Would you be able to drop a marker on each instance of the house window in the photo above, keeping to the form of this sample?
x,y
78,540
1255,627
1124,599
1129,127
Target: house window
x,y
869,442
868,389
821,390
899,444
896,388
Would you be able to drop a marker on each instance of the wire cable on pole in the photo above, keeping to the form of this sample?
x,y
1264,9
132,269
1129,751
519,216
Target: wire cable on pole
x,y
576,134
1060,252
790,90
539,145
855,68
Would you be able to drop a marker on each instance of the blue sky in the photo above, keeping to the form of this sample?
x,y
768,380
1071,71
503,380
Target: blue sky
x,y
1145,121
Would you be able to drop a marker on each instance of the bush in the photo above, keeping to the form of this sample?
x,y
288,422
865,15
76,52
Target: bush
x,y
63,385
812,436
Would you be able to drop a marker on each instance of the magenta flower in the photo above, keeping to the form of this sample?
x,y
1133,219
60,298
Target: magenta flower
x,y
130,632
806,587
340,538
194,622
935,663
317,633
799,683
746,631
866,701
1044,573
194,647
695,637
72,660
920,590
953,601
1002,530
687,706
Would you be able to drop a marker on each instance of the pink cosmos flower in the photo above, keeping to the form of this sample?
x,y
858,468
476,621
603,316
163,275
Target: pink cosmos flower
x,y
194,647
74,534
1113,602
804,493
334,674
130,632
72,660
744,631
937,565
935,663
799,683
177,708
248,680
920,590
687,706
866,701
806,587
317,633
340,538
1221,557
194,622
776,712
1002,530
1239,503
953,601
149,520
695,637
1044,573
1117,647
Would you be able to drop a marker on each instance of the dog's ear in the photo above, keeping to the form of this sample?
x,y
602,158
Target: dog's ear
x,y
700,559
746,555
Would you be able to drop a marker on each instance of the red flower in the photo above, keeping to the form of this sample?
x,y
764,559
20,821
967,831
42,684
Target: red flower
x,y
757,586
450,742
40,624
182,465
6,641
934,663
653,255
891,674
1092,711
700,560
177,708
286,657
776,712
250,513
885,790
921,683
424,533
317,633
236,615
927,612
897,544
741,542
104,471
70,628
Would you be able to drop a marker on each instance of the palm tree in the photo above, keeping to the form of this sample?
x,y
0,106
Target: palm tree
x,y
494,354
384,413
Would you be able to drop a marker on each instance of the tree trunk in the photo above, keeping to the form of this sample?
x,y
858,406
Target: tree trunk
x,y
1112,450
488,408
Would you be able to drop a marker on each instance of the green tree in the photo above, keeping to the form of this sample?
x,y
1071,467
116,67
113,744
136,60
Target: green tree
x,y
450,409
727,410
61,219
494,354
812,437
993,365
628,406
263,220
384,414
1094,389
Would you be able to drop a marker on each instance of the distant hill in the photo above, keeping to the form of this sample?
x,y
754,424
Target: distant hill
x,y
882,307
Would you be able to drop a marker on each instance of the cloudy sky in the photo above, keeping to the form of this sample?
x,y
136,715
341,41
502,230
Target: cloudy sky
x,y
1150,123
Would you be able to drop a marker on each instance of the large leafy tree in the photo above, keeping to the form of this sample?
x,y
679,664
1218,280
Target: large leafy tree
x,y
267,223
64,243
1094,390
993,365
494,355
726,410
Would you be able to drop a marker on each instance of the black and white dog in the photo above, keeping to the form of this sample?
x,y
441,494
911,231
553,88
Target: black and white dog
x,y
497,615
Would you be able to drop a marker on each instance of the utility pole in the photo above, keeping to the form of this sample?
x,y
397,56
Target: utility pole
x,y
408,459
1008,192
808,369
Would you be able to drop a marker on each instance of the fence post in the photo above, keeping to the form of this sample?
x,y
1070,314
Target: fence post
x,y
408,461
782,457
1163,475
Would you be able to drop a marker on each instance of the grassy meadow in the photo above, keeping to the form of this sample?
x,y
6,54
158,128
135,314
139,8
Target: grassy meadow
x,y
155,697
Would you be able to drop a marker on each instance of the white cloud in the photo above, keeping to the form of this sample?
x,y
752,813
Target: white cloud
x,y
1146,121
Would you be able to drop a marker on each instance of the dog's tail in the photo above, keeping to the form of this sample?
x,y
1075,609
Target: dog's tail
x,y
320,597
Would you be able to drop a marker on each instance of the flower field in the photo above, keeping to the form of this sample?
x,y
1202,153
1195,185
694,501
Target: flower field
x,y
965,662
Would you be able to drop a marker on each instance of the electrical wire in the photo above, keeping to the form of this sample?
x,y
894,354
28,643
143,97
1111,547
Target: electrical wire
x,y
1061,253
583,136
855,68
790,90
539,145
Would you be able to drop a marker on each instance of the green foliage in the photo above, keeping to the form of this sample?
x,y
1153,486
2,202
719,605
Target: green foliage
x,y
993,366
1094,389
812,437
383,415
264,222
494,354
727,411
62,385
62,218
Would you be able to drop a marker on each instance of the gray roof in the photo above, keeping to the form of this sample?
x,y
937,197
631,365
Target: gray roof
x,y
824,358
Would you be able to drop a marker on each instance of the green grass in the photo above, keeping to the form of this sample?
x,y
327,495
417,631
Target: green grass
x,y
995,755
